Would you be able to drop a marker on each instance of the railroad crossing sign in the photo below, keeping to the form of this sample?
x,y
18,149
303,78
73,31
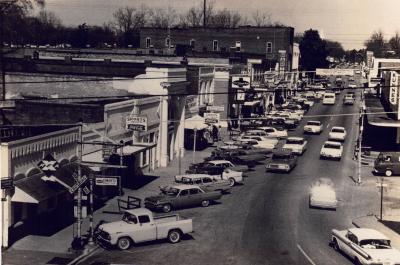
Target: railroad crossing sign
x,y
48,165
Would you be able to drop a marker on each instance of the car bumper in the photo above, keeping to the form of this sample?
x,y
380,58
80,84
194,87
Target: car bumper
x,y
277,169
330,156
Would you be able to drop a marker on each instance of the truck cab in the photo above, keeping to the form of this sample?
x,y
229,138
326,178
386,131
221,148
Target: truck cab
x,y
387,163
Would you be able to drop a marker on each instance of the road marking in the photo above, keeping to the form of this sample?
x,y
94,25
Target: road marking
x,y
305,255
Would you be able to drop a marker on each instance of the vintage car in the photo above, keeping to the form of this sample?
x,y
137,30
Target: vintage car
x,y
139,225
298,145
249,157
204,181
365,246
331,150
274,132
323,195
348,100
337,133
224,164
282,160
262,142
181,196
313,127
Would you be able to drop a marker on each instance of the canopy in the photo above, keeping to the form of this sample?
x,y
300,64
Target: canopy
x,y
196,122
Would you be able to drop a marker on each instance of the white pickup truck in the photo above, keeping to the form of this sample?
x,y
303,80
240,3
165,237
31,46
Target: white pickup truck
x,y
139,225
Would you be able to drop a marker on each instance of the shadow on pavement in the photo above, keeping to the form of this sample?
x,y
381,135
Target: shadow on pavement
x,y
395,226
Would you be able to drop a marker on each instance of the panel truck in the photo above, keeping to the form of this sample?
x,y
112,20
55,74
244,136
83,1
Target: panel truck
x,y
139,225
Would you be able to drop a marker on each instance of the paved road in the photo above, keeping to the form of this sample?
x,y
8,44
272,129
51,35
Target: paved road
x,y
267,220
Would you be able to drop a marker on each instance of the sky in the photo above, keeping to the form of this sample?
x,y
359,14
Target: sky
x,y
350,22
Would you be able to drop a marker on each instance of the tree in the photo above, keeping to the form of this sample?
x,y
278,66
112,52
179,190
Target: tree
x,y
162,18
261,19
376,43
394,43
335,49
192,18
224,19
313,51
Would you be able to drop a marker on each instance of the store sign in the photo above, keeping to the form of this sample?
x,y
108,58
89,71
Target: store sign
x,y
216,108
240,84
393,92
7,183
191,103
334,71
136,123
282,61
211,117
107,180
48,165
370,55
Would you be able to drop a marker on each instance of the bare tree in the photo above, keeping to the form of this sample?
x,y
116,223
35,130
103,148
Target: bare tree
x,y
192,18
48,18
261,19
225,19
163,18
129,18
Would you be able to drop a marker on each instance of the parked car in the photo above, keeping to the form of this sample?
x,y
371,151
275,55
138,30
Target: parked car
x,y
313,127
365,246
387,163
204,181
297,145
352,85
180,196
331,150
223,164
274,132
262,142
255,132
348,99
139,225
337,133
249,157
282,160
323,195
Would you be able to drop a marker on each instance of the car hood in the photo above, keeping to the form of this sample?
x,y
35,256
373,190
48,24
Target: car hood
x,y
113,227
381,255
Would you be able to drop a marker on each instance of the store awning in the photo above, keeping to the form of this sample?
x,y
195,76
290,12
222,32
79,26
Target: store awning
x,y
377,115
136,148
195,123
34,190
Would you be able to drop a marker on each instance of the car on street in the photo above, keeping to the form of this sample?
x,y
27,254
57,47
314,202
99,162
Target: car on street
x,y
337,133
298,145
352,85
387,163
329,98
282,160
249,157
139,225
315,127
323,195
255,132
181,196
365,246
274,132
204,181
348,99
223,164
331,150
262,142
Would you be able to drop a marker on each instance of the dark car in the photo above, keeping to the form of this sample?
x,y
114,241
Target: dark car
x,y
215,167
239,156
282,160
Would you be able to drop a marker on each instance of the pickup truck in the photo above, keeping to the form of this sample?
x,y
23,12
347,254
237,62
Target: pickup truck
x,y
139,225
365,246
180,196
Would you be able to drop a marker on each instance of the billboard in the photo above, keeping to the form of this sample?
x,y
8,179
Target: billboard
x,y
334,71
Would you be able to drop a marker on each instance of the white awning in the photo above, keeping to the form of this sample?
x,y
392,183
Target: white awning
x,y
196,122
22,196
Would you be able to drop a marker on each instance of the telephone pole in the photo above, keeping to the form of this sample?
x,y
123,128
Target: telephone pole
x,y
204,14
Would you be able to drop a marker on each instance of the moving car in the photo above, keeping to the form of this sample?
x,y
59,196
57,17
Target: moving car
x,y
313,127
323,195
180,196
352,85
387,163
331,150
282,160
205,182
348,99
274,132
337,133
365,246
329,99
297,145
139,225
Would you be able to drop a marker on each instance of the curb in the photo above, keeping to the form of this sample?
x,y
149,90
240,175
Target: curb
x,y
83,256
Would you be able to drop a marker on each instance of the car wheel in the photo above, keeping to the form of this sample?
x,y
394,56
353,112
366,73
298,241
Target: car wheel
x,y
174,236
335,245
205,203
167,208
124,243
388,173
232,182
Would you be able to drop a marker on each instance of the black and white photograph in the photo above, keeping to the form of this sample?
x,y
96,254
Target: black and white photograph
x,y
200,132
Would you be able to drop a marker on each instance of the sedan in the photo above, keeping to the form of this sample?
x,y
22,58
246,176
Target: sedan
x,y
337,133
323,195
297,145
275,132
313,127
332,150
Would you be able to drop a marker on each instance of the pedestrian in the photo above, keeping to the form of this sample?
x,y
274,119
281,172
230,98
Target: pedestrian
x,y
215,133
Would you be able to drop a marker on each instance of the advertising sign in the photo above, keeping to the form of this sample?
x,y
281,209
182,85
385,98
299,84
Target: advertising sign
x,y
7,183
393,92
136,123
211,117
282,61
216,108
107,180
334,71
370,54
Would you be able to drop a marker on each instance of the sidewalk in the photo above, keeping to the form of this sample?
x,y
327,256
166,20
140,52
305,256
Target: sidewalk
x,y
40,249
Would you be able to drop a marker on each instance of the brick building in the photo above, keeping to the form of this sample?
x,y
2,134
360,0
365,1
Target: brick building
x,y
246,41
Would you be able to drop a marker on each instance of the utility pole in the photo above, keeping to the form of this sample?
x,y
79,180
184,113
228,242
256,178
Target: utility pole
x,y
204,14
360,137
3,68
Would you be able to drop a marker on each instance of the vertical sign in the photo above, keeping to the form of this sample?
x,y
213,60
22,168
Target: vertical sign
x,y
369,59
393,93
282,61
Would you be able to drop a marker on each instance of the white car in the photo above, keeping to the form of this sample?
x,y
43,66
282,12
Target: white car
x,y
313,127
274,132
323,195
262,142
297,145
332,150
337,133
352,85
365,246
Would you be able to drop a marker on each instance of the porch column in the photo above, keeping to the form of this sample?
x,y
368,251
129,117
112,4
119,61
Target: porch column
x,y
164,131
181,128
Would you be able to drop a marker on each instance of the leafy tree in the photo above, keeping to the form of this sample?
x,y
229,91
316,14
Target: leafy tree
x,y
335,49
313,51
376,43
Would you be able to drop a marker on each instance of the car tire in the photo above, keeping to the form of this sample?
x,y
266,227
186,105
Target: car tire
x,y
174,236
167,208
205,203
335,245
232,182
124,243
388,173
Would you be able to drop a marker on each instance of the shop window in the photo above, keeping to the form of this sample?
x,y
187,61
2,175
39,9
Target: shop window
x,y
215,45
148,42
192,43
269,47
167,42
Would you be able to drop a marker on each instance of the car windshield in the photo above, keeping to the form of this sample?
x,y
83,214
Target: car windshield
x,y
332,146
338,130
315,123
294,141
329,96
375,243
